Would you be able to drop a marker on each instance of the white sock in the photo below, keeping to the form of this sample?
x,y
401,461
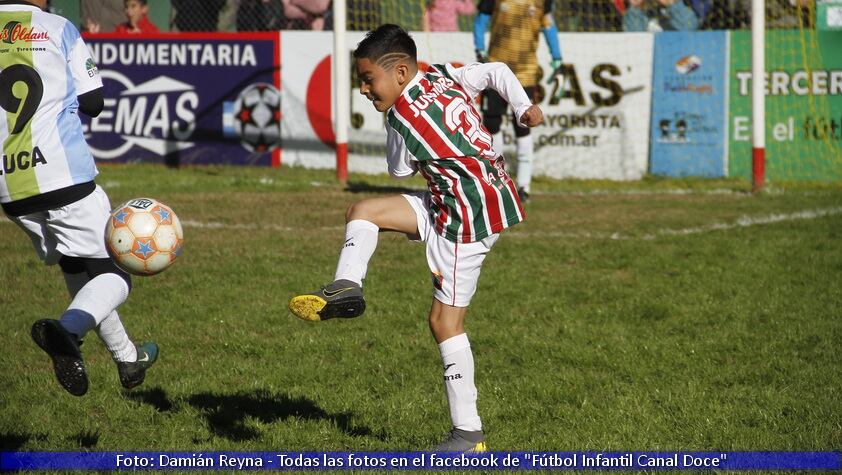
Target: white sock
x,y
93,302
497,143
524,162
112,333
459,382
360,242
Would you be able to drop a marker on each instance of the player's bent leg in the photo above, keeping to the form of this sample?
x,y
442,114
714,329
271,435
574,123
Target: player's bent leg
x,y
391,213
343,298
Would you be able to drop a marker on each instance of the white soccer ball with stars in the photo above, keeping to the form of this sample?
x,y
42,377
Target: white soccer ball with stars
x,y
257,117
143,236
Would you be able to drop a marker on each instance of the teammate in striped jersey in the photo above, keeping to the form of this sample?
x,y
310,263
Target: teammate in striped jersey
x,y
47,186
515,27
434,129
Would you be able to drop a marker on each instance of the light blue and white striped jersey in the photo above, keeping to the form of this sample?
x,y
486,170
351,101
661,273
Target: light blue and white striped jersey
x,y
44,66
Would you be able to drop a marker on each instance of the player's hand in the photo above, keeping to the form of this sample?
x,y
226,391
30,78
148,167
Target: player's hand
x,y
555,70
482,55
532,117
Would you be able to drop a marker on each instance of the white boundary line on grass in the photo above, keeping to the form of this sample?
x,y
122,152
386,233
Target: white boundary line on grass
x,y
742,222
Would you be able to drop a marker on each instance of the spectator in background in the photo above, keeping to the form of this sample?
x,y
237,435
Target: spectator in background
x,y
659,15
197,15
443,15
306,14
137,18
101,15
260,15
702,8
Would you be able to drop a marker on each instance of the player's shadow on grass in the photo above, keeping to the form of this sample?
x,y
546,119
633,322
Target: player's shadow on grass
x,y
363,187
86,439
155,397
227,413
14,440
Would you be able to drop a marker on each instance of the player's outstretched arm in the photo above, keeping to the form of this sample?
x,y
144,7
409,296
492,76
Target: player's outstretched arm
x,y
476,77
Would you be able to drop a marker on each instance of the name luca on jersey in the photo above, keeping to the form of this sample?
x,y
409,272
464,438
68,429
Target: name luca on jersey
x,y
22,161
424,100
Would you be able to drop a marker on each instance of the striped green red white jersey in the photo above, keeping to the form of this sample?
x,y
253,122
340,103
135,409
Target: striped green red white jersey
x,y
434,128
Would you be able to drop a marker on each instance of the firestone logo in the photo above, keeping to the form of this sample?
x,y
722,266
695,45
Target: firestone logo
x,y
14,31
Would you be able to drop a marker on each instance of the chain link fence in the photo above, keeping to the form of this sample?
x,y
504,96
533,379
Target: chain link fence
x,y
363,15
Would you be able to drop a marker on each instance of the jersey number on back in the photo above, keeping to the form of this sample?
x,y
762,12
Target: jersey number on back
x,y
11,103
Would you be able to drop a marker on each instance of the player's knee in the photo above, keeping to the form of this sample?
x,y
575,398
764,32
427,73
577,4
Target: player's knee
x,y
493,123
365,209
95,267
355,211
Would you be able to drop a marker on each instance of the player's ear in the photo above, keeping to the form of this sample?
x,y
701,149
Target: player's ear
x,y
402,72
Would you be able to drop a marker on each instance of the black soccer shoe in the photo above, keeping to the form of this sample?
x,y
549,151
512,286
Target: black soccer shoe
x,y
63,348
133,373
341,299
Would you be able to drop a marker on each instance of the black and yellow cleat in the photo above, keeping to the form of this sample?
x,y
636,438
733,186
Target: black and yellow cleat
x,y
341,299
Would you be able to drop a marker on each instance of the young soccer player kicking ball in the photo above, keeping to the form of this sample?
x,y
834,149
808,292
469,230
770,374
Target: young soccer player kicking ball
x,y
433,128
47,188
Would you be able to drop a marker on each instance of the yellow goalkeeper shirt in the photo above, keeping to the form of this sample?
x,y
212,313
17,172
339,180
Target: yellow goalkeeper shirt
x,y
515,29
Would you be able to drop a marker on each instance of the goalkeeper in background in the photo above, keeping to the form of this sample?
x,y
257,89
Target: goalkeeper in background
x,y
515,27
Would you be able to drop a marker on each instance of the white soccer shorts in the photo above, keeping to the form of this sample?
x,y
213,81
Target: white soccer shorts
x,y
75,230
455,267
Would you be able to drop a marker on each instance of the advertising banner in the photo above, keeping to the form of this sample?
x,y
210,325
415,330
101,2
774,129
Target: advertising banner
x,y
689,110
803,105
191,98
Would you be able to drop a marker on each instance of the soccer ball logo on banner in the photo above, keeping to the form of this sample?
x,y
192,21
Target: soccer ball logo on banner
x,y
143,236
255,118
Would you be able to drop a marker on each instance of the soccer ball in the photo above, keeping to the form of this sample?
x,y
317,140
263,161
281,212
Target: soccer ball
x,y
143,236
257,117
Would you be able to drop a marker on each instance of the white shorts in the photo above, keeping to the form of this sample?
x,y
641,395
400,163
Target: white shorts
x,y
75,230
454,266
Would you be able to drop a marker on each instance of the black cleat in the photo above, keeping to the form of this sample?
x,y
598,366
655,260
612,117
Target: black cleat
x,y
132,374
341,299
63,348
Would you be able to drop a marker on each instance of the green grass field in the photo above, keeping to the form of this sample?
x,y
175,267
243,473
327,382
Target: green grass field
x,y
662,314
